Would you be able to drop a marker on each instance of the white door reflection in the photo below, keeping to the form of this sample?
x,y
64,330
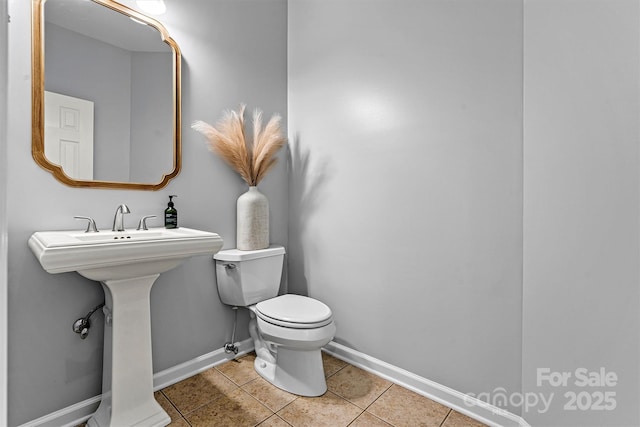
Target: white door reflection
x,y
69,134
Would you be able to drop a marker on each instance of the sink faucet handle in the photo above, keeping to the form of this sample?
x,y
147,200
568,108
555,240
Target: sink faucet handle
x,y
142,225
91,224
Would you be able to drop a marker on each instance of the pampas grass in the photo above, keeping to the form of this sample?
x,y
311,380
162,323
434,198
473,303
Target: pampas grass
x,y
252,161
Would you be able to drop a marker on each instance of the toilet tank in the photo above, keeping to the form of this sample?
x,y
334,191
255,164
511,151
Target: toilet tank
x,y
248,277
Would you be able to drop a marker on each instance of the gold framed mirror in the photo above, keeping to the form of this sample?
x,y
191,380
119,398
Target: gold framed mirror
x,y
106,95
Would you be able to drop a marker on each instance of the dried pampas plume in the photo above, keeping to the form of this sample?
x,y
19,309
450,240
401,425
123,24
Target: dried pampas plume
x,y
251,161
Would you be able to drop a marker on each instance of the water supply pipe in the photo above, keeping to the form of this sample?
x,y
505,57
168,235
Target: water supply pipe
x,y
230,347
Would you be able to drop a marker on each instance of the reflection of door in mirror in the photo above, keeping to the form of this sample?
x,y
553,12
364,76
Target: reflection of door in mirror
x,y
69,134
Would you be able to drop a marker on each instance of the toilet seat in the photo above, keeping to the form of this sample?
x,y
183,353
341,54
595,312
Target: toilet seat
x,y
294,311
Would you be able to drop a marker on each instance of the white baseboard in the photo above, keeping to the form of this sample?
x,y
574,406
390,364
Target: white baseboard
x,y
474,408
69,416
81,411
192,367
465,404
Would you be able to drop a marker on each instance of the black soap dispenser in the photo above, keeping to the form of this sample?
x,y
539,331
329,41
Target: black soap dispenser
x,y
171,214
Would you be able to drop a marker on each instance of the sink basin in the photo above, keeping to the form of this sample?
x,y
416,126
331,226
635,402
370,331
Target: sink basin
x,y
120,254
127,264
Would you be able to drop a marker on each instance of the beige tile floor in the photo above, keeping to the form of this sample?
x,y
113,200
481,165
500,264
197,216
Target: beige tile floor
x,y
233,394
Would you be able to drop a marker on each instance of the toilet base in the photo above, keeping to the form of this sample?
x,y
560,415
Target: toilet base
x,y
296,371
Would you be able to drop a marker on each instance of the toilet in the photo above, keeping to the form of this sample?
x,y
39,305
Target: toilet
x,y
288,331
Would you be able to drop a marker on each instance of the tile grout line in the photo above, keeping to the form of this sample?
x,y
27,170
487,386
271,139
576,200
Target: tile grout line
x,y
174,407
377,398
444,420
361,410
254,398
185,414
367,406
364,408
280,410
241,376
280,418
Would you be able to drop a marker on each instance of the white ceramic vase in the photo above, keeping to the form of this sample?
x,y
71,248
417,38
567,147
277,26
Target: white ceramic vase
x,y
252,221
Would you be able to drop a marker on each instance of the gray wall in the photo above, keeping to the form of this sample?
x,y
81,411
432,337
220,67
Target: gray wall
x,y
151,116
412,156
581,305
3,208
406,186
224,64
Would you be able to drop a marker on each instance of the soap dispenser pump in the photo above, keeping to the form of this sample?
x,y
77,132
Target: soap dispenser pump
x,y
171,214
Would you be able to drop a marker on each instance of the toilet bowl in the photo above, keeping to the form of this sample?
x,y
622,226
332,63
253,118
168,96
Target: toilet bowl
x,y
288,331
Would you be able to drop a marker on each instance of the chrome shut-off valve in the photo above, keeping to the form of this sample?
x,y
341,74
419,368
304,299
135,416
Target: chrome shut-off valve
x,y
82,325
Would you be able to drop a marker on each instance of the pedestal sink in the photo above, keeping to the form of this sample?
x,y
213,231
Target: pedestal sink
x,y
127,264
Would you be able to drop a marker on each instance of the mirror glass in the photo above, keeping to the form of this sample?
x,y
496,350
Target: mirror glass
x,y
106,95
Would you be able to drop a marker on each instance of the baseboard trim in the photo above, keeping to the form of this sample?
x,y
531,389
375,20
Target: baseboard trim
x,y
474,408
192,367
81,411
69,416
470,406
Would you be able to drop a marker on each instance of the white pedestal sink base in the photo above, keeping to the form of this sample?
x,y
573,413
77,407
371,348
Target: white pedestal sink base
x,y
127,375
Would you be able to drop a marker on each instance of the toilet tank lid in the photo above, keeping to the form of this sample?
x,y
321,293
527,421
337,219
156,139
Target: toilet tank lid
x,y
238,255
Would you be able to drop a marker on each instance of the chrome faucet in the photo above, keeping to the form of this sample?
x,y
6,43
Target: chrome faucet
x,y
118,219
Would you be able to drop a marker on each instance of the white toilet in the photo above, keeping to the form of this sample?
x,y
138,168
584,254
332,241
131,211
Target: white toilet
x,y
288,330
